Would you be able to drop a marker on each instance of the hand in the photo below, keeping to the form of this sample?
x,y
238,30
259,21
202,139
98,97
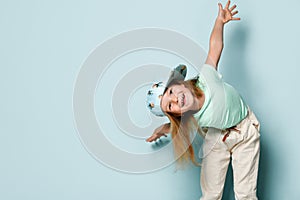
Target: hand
x,y
155,136
159,132
226,14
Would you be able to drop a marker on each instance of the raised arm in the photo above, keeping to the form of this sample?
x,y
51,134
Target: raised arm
x,y
216,38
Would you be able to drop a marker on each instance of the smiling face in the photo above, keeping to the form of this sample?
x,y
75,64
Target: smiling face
x,y
178,99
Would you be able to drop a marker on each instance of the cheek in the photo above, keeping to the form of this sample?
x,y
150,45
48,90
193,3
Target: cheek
x,y
176,109
189,95
162,103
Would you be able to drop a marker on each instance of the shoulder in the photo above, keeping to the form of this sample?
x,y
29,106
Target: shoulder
x,y
210,72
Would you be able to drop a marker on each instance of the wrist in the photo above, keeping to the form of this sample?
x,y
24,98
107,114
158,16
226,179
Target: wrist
x,y
219,20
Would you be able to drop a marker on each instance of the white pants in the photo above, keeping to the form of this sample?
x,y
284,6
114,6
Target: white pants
x,y
243,146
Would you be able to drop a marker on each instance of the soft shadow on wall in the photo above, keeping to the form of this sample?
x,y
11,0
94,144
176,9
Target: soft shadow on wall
x,y
234,67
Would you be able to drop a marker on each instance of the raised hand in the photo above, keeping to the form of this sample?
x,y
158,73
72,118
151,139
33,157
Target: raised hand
x,y
226,14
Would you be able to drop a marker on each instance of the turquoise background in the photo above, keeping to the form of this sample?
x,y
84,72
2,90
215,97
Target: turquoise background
x,y
44,43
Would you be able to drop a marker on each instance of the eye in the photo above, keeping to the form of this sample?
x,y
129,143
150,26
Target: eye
x,y
171,91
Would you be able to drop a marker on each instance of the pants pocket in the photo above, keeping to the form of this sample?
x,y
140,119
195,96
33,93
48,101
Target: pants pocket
x,y
211,142
256,125
254,121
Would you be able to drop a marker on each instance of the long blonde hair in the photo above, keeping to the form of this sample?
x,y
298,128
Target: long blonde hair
x,y
184,126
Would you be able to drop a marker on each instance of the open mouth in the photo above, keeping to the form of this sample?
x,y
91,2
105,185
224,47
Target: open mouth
x,y
182,100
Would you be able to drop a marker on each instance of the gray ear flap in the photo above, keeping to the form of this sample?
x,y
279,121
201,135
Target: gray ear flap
x,y
179,73
182,70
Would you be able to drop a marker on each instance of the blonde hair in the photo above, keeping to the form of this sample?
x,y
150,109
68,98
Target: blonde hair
x,y
184,126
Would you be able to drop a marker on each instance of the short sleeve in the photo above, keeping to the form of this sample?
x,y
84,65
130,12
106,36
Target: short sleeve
x,y
210,73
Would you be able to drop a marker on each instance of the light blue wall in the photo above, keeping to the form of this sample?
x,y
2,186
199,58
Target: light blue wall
x,y
44,43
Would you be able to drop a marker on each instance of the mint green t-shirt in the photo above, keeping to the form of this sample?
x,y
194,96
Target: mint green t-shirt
x,y
223,106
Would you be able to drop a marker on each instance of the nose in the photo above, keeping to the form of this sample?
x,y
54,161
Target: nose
x,y
174,99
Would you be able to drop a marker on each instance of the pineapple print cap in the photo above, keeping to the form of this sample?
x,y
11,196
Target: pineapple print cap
x,y
157,90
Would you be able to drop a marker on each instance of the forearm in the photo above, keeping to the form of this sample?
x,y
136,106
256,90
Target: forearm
x,y
216,43
165,128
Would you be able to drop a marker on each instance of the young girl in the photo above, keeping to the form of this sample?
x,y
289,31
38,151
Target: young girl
x,y
208,103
